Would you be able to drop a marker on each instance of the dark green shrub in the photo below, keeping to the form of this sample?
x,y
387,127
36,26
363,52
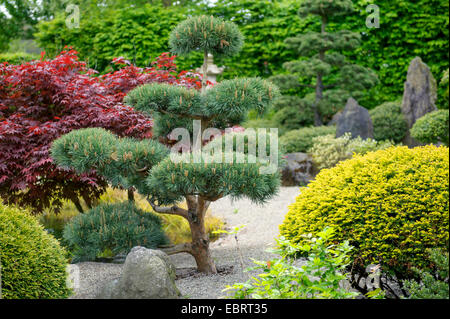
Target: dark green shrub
x,y
390,204
388,122
301,140
433,284
114,229
33,264
432,128
293,117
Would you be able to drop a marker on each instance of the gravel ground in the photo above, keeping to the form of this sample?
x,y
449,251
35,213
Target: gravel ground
x,y
261,227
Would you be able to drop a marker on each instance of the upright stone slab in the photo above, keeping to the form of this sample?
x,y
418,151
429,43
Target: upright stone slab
x,y
419,96
354,119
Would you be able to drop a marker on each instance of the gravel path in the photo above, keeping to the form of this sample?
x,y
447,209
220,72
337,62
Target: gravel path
x,y
261,228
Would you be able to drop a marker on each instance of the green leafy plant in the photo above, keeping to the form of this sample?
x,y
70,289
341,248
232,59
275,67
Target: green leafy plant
x,y
115,228
432,127
390,204
328,150
302,140
234,232
320,277
33,264
388,122
433,283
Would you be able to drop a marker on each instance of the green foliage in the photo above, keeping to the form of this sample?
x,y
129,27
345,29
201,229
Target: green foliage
x,y
390,204
433,284
327,150
405,31
212,177
207,34
444,84
115,228
301,140
137,33
292,113
325,7
17,58
432,127
226,103
319,278
264,25
33,264
122,161
388,122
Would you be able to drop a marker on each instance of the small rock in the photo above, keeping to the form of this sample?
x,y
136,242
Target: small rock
x,y
147,274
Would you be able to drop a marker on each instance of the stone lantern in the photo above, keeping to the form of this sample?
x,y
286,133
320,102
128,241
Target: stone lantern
x,y
213,70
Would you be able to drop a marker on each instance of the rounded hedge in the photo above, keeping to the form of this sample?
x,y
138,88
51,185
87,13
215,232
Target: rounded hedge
x,y
388,122
432,127
33,264
391,205
301,140
216,36
114,229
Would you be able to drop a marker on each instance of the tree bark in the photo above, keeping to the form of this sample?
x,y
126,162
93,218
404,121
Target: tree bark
x,y
197,207
130,193
205,71
77,203
195,215
319,81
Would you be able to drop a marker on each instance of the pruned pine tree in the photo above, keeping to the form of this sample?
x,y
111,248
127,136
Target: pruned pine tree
x,y
321,66
167,179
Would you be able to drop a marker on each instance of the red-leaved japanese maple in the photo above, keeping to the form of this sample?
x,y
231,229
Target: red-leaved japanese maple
x,y
44,99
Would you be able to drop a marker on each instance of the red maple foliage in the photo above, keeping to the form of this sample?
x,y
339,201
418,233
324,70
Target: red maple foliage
x,y
44,99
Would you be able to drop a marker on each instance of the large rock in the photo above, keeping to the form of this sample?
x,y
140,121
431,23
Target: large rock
x,y
299,170
354,119
419,96
147,274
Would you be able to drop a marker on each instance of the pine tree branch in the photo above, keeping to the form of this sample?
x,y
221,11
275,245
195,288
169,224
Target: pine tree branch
x,y
173,210
176,249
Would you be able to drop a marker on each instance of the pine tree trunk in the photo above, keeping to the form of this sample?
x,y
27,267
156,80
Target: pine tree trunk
x,y
200,240
319,81
205,71
319,96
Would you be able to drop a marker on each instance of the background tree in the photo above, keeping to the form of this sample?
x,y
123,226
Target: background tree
x,y
199,180
323,68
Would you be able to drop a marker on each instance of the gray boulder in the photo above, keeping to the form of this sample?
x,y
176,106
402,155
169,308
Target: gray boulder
x,y
354,119
419,96
299,170
147,274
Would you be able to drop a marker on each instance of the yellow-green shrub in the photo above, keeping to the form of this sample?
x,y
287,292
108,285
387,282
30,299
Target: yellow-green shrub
x,y
391,205
33,263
